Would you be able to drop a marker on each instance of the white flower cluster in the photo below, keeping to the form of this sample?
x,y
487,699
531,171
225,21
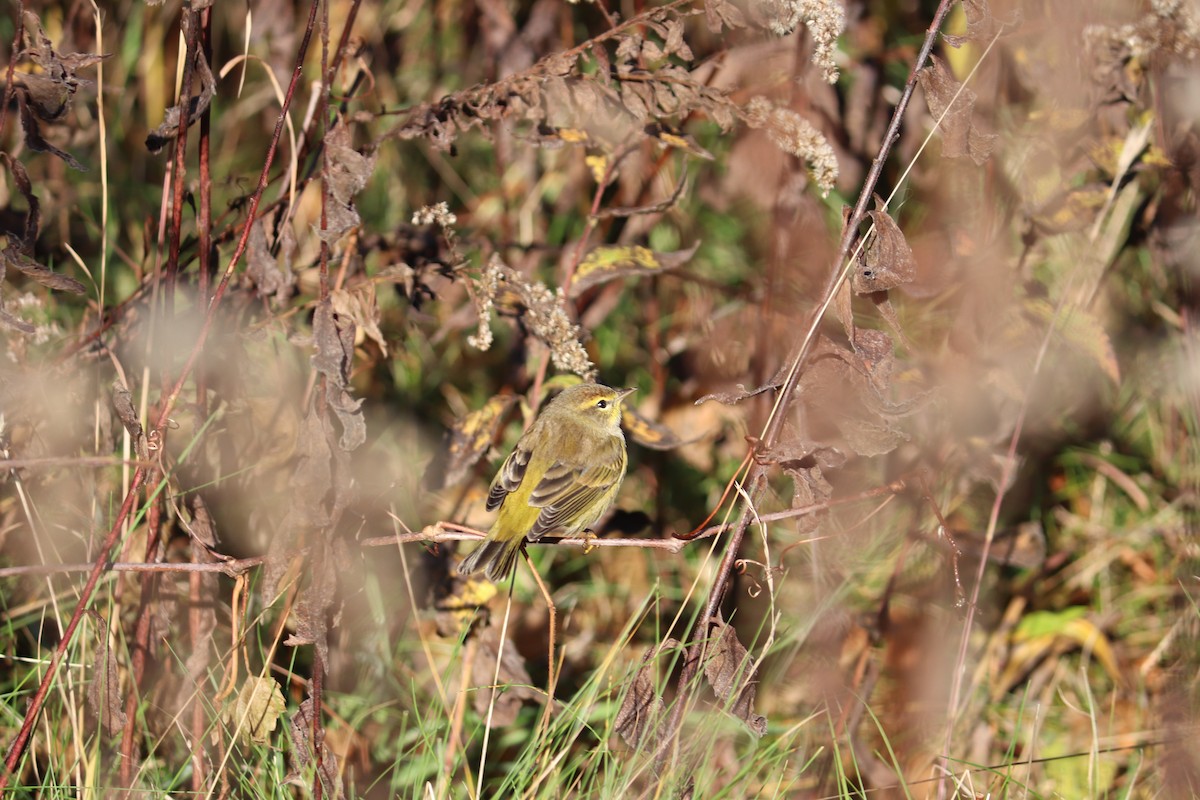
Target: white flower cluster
x,y
825,20
436,214
794,135
544,312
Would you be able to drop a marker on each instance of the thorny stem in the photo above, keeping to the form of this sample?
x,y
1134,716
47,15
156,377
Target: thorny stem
x,y
699,637
17,749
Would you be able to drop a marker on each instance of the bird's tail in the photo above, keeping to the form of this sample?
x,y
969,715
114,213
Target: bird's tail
x,y
496,558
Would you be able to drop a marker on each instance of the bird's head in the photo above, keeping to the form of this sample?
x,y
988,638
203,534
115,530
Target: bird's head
x,y
599,405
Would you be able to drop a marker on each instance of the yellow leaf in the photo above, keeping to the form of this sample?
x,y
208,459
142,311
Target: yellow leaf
x,y
257,710
598,165
607,263
572,135
648,433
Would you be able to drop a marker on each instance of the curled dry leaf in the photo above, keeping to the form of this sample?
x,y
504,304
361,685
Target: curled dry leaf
x,y
312,481
887,260
742,393
607,263
16,251
361,305
304,762
953,105
640,717
269,276
123,405
346,174
980,23
333,336
728,673
33,215
472,436
46,96
313,613
196,105
648,433
722,14
43,275
104,699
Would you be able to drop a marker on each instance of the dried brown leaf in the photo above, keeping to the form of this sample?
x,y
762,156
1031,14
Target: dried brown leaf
x,y
45,96
346,174
722,14
269,276
952,105
333,336
104,699
196,105
312,508
43,275
304,762
887,260
33,215
313,613
123,405
742,393
728,673
200,526
33,135
361,305
640,717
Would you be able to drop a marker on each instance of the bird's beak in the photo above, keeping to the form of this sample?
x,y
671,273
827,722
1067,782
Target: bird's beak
x,y
621,395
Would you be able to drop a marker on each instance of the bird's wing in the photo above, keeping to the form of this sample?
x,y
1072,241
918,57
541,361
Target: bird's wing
x,y
569,489
509,477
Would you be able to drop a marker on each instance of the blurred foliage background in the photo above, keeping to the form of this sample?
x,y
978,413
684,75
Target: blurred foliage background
x,y
966,557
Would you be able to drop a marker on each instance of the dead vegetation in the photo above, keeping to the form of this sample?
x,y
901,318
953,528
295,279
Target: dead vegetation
x,y
908,292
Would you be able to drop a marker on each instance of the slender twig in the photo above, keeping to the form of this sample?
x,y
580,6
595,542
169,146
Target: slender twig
x,y
551,675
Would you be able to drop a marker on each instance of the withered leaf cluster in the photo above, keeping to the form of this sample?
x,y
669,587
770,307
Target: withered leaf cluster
x,y
45,96
17,251
195,105
637,83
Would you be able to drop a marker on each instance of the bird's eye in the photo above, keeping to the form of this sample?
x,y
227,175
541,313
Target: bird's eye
x,y
601,404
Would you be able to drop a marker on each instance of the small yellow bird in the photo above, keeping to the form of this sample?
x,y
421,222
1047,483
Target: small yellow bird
x,y
562,476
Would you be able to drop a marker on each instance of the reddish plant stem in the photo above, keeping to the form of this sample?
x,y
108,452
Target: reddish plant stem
x,y
196,581
17,749
179,163
154,517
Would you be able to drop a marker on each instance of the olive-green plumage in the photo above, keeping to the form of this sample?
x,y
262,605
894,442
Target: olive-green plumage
x,y
561,477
